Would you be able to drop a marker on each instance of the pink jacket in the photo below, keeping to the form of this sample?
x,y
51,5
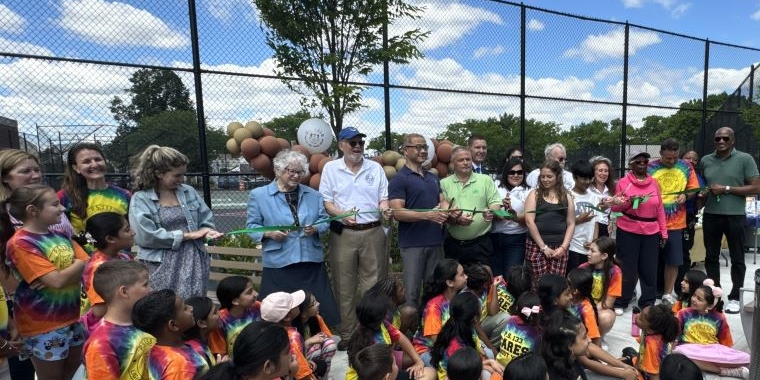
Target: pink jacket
x,y
650,210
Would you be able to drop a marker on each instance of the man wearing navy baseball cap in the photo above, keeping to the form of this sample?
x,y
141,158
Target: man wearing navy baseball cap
x,y
357,254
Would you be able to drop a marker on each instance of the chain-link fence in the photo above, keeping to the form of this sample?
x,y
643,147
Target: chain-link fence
x,y
521,76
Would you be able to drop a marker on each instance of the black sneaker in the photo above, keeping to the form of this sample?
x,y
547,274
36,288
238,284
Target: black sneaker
x,y
343,345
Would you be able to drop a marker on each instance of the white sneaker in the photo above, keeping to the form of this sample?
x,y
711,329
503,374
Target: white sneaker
x,y
668,299
619,311
740,372
605,346
732,307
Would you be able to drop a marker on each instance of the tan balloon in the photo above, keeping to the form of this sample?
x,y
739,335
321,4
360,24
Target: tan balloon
x,y
241,134
255,127
233,147
232,127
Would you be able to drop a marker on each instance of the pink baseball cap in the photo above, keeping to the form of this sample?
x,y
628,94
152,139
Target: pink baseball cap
x,y
277,305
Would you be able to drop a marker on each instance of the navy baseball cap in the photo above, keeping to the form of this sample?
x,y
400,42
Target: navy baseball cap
x,y
349,133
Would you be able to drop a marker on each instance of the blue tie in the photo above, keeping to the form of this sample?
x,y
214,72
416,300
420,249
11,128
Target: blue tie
x,y
477,170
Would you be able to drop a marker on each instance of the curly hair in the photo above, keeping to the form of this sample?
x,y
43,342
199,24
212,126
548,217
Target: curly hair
x,y
662,321
152,161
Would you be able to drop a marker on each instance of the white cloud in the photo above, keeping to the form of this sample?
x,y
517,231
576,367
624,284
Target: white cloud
x,y
756,15
23,47
230,10
486,50
11,22
447,22
679,10
118,24
612,45
719,79
535,25
676,8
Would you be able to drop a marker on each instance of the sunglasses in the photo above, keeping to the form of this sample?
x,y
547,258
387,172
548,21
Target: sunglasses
x,y
353,143
517,157
515,172
641,162
722,138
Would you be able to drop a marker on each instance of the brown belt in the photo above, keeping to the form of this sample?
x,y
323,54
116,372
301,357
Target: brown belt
x,y
365,226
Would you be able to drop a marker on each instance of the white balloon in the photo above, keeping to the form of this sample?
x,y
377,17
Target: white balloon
x,y
430,152
315,134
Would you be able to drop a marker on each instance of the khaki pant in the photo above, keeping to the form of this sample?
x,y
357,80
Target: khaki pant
x,y
358,259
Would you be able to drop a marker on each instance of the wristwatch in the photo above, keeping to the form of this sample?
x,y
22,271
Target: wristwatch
x,y
728,189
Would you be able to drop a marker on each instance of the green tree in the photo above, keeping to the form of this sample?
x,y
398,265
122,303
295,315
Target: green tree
x,y
287,126
323,47
501,133
378,142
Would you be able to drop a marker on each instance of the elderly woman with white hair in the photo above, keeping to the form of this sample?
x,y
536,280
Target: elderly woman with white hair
x,y
293,259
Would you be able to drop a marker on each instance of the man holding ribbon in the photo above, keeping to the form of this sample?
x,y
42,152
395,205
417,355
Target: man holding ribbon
x,y
472,196
357,250
678,182
414,195
288,218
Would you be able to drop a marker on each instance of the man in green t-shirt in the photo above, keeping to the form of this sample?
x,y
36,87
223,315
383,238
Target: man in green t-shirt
x,y
730,176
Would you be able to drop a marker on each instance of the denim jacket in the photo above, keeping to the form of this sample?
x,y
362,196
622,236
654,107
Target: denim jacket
x,y
267,207
153,239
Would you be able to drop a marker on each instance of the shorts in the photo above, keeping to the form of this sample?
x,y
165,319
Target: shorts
x,y
54,345
672,253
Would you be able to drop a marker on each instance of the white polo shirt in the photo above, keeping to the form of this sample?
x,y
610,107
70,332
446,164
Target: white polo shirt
x,y
363,190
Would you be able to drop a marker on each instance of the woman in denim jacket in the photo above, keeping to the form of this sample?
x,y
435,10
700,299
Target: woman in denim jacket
x,y
293,260
171,223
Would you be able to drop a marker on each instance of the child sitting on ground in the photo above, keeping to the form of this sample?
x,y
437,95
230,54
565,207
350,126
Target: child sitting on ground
x,y
239,308
375,363
165,315
117,349
206,316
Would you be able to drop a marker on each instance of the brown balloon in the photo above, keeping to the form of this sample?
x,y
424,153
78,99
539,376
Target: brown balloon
x,y
444,153
268,132
250,148
314,162
284,144
270,146
314,181
443,169
301,149
322,163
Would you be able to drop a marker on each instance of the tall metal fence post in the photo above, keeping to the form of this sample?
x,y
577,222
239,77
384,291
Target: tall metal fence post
x,y
386,87
522,77
200,115
754,348
704,98
624,116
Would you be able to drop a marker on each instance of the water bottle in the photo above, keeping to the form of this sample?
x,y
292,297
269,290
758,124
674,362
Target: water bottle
x,y
634,327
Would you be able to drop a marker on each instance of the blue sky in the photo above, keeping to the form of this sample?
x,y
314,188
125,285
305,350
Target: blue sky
x,y
473,46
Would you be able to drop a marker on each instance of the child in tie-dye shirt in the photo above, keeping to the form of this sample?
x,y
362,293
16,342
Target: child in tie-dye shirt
x,y
480,282
459,331
49,267
373,328
111,234
705,335
239,308
659,330
206,316
608,280
584,307
170,358
447,280
117,349
522,333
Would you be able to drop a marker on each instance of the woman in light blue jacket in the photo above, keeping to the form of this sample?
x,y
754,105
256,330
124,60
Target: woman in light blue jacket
x,y
171,223
292,259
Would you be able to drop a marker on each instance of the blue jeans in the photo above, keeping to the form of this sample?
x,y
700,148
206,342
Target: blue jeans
x,y
508,250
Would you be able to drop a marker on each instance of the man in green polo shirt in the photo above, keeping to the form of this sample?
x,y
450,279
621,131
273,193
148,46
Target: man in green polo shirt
x,y
474,195
730,176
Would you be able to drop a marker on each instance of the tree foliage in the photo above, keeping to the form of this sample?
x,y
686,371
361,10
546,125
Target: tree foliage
x,y
323,47
153,91
287,126
378,142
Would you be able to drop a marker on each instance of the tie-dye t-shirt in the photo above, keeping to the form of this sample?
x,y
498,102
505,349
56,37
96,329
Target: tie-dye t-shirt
x,y
175,363
388,334
454,345
297,351
117,352
517,338
584,310
110,199
435,314
4,316
202,349
222,340
614,287
652,351
708,328
30,257
96,260
505,298
678,178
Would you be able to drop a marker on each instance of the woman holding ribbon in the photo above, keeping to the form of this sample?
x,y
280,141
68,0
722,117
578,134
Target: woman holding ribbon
x,y
171,223
641,230
289,218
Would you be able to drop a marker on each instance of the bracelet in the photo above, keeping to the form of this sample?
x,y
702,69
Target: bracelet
x,y
5,345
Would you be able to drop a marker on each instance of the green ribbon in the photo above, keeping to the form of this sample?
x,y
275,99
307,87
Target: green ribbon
x,y
687,191
263,229
501,213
